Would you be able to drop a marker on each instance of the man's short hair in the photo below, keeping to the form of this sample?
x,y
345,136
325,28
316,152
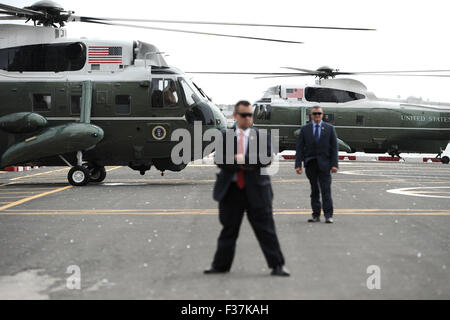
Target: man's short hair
x,y
315,107
244,103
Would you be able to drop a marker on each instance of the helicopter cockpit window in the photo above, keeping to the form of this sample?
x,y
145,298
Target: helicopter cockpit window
x,y
123,104
164,93
331,95
42,102
191,93
54,57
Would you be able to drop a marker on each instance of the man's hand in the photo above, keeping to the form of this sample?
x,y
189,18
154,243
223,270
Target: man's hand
x,y
299,170
334,169
240,159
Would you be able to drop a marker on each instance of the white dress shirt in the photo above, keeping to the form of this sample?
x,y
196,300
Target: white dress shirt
x,y
246,135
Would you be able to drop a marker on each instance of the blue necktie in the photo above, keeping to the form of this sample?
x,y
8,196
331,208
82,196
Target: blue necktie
x,y
316,133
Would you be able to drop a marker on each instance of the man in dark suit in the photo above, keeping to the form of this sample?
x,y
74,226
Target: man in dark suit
x,y
240,187
317,148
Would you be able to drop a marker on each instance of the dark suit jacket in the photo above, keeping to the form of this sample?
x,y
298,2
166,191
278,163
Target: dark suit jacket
x,y
257,186
325,151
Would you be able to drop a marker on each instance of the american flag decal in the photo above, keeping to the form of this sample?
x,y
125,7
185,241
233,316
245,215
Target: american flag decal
x,y
104,54
294,93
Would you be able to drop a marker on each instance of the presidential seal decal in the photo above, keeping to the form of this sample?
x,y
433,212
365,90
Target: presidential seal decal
x,y
159,133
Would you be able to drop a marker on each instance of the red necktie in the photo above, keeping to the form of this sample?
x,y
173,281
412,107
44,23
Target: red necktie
x,y
240,174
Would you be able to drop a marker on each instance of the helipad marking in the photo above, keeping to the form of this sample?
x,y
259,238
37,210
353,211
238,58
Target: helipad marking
x,y
38,174
15,203
43,194
416,192
379,212
395,175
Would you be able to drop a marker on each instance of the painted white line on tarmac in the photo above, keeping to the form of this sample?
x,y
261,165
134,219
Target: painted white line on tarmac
x,y
417,192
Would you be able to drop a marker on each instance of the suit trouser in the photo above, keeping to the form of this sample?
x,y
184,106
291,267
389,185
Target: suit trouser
x,y
231,212
320,184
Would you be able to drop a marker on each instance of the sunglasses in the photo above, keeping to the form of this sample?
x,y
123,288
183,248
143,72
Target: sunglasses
x,y
245,114
316,113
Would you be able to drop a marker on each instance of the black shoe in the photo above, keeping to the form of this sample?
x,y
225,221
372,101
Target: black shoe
x,y
280,271
328,220
314,219
213,270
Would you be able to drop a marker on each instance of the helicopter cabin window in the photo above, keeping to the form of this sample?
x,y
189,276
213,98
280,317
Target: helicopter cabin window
x,y
123,104
54,57
359,120
75,104
191,94
164,93
42,102
263,112
331,95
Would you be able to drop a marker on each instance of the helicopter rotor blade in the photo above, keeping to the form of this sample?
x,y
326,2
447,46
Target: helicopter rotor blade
x,y
23,11
81,19
231,24
407,75
392,72
337,72
7,12
303,70
12,18
287,75
240,73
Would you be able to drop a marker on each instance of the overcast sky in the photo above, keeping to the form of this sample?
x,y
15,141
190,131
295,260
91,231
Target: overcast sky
x,y
410,35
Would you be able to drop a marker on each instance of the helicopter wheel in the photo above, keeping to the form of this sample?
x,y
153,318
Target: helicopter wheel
x,y
78,176
445,160
98,174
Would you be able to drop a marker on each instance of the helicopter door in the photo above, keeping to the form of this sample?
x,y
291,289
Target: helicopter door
x,y
167,115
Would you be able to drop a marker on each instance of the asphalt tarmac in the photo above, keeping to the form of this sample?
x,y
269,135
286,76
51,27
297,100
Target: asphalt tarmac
x,y
150,237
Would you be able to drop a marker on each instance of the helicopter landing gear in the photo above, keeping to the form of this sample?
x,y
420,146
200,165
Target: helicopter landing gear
x,y
445,160
78,176
97,173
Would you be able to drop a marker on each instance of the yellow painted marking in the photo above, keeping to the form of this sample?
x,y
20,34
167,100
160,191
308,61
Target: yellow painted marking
x,y
278,210
20,187
16,203
13,197
19,192
394,212
38,174
26,199
113,168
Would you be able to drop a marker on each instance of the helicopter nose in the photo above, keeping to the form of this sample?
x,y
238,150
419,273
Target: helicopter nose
x,y
219,118
221,122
